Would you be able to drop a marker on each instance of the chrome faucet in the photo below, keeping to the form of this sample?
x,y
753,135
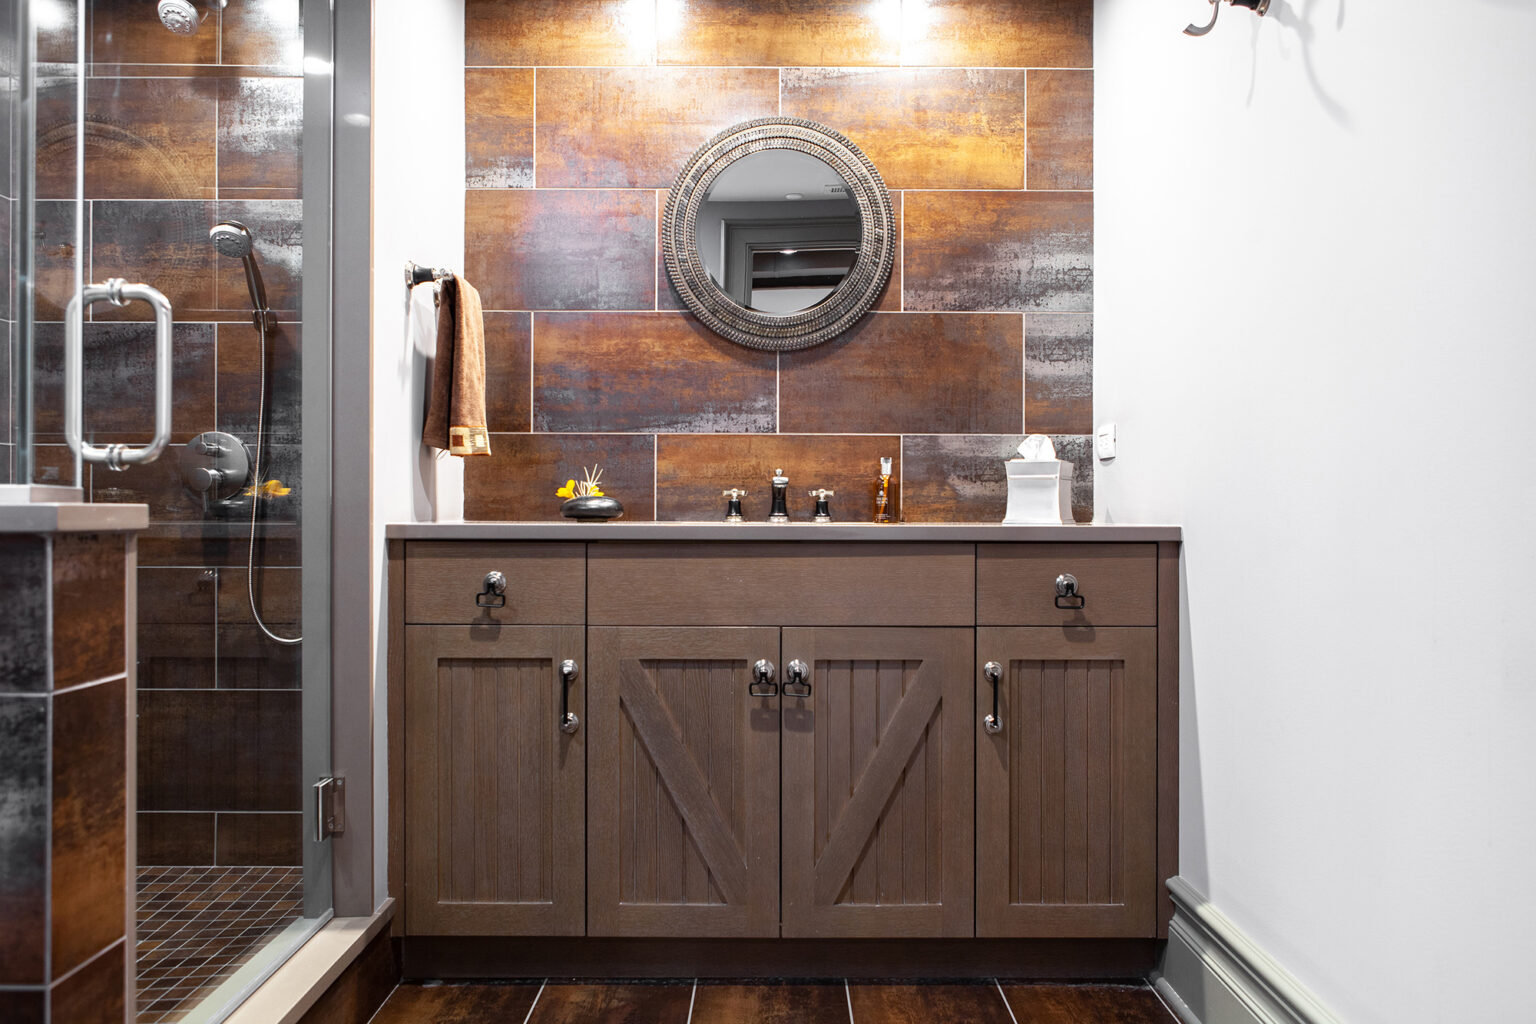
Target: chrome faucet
x,y
780,513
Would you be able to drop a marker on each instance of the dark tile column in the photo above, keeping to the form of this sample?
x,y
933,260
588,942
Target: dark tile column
x,y
66,945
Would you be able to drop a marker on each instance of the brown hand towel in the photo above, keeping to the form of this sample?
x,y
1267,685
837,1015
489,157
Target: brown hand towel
x,y
456,410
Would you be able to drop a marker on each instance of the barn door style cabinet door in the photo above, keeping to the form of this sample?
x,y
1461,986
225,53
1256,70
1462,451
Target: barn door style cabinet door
x,y
497,784
685,781
877,831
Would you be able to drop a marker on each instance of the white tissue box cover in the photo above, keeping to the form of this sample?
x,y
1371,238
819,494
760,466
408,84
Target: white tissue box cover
x,y
1039,491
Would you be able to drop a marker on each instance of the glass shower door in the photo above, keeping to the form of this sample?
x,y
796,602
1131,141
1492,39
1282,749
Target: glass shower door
x,y
164,148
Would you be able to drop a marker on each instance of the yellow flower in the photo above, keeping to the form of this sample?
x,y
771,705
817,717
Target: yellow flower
x,y
568,491
596,493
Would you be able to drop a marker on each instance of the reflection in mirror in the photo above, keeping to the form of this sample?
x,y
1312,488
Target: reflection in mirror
x,y
778,231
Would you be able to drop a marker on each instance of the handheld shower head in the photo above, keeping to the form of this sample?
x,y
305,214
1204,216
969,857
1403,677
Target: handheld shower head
x,y
231,238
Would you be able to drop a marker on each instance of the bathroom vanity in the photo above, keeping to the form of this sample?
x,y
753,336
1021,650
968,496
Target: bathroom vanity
x,y
823,749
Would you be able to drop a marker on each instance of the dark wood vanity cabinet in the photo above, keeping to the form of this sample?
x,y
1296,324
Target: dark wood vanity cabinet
x,y
857,792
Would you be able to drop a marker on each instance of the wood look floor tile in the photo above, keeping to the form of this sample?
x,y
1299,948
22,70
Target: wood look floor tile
x,y
924,1004
613,1004
1086,1004
809,1003
457,1004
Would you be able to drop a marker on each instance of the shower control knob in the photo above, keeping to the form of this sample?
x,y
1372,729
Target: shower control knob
x,y
206,479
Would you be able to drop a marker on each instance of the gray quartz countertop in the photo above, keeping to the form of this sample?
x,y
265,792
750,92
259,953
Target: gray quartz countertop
x,y
620,530
72,517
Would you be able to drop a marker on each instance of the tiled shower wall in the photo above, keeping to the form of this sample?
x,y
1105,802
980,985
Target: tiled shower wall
x,y
180,133
9,95
978,114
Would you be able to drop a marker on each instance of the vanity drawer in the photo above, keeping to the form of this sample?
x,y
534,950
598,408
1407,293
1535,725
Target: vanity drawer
x,y
546,583
806,583
1016,584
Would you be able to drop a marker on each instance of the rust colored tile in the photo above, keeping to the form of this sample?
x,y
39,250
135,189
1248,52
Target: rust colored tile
x,y
260,839
363,988
457,1004
56,257
827,33
589,249
519,479
999,34
498,127
770,1004
263,34
539,33
277,596
649,372
145,138
177,597
23,840
636,127
54,464
176,658
1069,1004
88,629
1002,251
278,227
921,127
508,369
1058,373
23,1006
90,838
980,1003
249,660
93,995
1060,130
165,243
692,470
240,383
119,382
219,750
907,372
24,628
217,542
960,478
260,135
157,484
174,838
658,1003
122,34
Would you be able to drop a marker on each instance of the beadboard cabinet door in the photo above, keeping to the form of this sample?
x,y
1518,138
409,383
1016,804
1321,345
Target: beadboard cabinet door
x,y
495,795
683,827
1066,792
877,795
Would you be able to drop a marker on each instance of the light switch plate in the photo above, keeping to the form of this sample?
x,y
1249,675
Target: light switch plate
x,y
1104,442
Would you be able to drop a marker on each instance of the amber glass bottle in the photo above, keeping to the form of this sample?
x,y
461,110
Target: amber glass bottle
x,y
885,494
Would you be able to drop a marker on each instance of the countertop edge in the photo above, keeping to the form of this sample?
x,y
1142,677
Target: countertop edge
x,y
73,517
848,532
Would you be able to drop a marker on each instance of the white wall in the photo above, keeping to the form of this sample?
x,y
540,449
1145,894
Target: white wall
x,y
1316,247
418,214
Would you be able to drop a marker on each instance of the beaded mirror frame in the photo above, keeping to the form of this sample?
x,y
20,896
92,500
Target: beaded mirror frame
x,y
779,332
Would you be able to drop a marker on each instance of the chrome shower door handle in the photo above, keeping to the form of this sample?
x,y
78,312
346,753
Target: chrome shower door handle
x,y
119,293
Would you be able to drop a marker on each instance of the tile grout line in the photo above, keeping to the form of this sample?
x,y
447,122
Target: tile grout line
x,y
1006,1005
848,995
529,1016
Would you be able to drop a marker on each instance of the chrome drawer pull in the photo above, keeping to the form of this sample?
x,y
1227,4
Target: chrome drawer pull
x,y
762,684
993,672
1066,590
569,723
797,679
495,593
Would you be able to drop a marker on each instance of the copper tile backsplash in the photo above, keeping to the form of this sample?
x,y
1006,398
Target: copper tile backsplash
x,y
978,114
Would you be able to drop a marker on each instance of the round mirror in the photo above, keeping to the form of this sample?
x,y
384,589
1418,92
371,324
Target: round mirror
x,y
778,234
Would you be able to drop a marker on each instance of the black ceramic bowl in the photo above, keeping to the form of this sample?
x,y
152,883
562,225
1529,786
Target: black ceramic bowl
x,y
592,508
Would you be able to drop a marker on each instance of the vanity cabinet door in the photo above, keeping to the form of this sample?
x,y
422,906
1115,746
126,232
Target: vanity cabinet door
x,y
1066,797
495,790
685,783
877,796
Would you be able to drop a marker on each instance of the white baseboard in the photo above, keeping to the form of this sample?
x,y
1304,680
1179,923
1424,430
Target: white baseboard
x,y
1211,973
